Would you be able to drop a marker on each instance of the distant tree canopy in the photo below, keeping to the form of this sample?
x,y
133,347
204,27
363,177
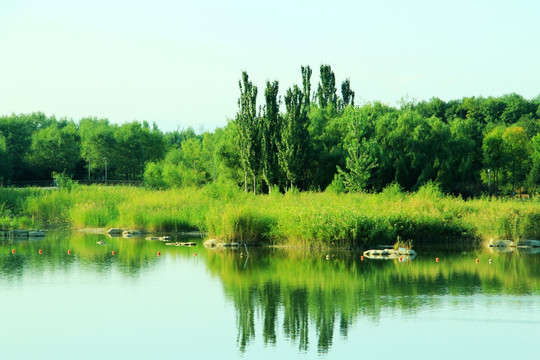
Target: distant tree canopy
x,y
469,146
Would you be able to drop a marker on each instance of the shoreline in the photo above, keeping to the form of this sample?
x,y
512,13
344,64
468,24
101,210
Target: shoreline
x,y
307,220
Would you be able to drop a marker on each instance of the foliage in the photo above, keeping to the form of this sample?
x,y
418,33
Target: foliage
x,y
405,244
311,219
63,181
469,146
292,149
247,124
337,186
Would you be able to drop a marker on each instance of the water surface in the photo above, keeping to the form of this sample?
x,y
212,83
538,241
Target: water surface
x,y
289,303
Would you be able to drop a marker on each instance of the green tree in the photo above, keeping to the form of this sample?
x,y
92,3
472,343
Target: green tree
x,y
98,142
17,131
360,164
4,160
174,139
306,84
492,109
153,176
326,133
347,94
434,107
494,153
271,122
516,148
54,150
462,173
416,147
533,178
248,129
130,157
326,92
293,147
516,107
153,143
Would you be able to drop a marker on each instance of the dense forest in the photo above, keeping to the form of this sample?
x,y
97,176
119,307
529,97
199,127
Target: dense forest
x,y
308,140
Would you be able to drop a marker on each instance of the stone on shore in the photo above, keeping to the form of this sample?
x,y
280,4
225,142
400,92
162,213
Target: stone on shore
x,y
213,243
210,243
18,233
131,233
115,231
529,243
388,254
159,238
501,243
36,233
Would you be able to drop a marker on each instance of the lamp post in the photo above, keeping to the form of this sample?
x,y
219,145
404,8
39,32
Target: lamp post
x,y
489,181
105,168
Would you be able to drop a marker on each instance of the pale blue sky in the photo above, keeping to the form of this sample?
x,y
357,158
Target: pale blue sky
x,y
178,62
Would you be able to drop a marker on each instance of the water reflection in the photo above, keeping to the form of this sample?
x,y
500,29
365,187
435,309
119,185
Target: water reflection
x,y
328,294
295,294
62,250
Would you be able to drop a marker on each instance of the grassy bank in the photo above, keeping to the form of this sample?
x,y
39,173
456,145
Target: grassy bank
x,y
306,219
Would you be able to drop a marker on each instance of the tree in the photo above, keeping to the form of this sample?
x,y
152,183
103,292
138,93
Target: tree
x,y
347,94
191,166
292,149
153,143
54,150
434,107
516,148
492,109
464,165
228,162
247,123
130,158
516,107
17,131
153,176
326,92
415,147
98,142
174,139
533,178
494,153
306,85
4,160
326,133
360,161
271,122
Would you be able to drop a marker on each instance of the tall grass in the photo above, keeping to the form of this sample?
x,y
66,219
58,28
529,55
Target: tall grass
x,y
307,219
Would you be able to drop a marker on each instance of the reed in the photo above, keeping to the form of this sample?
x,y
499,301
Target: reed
x,y
310,219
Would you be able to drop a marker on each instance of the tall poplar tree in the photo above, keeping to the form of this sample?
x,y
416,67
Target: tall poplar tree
x,y
306,83
294,143
361,160
248,128
326,92
346,93
271,122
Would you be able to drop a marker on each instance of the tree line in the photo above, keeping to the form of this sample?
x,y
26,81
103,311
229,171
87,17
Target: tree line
x,y
309,140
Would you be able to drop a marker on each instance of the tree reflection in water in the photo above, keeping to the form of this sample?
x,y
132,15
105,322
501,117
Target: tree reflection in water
x,y
306,291
297,290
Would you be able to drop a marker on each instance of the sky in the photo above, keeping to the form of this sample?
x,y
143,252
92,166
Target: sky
x,y
178,63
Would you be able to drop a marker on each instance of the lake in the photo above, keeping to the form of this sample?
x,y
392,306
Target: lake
x,y
193,302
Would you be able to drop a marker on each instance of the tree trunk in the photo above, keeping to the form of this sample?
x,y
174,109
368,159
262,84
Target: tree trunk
x,y
254,186
245,181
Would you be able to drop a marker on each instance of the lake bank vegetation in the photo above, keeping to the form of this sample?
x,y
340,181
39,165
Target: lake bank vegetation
x,y
324,170
310,140
309,219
